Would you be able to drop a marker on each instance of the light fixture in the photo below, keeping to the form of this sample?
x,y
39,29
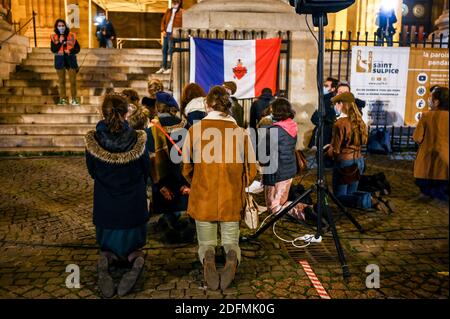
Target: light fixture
x,y
388,5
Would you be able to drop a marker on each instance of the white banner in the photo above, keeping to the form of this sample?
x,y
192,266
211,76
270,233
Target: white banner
x,y
379,76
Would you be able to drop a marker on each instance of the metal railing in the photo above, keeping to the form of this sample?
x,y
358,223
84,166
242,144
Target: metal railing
x,y
32,19
121,41
401,137
340,47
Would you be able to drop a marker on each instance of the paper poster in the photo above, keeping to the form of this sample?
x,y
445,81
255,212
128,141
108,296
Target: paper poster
x,y
379,77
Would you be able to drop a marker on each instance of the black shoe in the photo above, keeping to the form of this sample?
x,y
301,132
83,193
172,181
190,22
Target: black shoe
x,y
105,281
130,278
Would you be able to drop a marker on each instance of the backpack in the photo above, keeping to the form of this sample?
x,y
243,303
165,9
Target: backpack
x,y
375,183
296,191
176,230
379,142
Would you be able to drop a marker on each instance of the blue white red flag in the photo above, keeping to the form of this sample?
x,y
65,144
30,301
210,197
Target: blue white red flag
x,y
251,64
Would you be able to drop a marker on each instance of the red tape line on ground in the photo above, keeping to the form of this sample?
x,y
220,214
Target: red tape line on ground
x,y
313,278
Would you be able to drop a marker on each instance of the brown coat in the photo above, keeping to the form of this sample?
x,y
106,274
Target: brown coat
x,y
177,21
342,147
217,188
432,136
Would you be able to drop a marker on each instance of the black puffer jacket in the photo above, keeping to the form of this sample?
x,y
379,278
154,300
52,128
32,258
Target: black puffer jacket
x,y
286,167
258,107
120,166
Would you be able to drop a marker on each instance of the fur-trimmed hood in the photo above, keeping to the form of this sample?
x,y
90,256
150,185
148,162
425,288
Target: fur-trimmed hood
x,y
136,151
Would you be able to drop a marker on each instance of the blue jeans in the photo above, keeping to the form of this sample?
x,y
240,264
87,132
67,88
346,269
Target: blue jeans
x,y
348,194
167,49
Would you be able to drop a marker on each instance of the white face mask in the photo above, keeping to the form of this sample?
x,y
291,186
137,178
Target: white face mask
x,y
430,103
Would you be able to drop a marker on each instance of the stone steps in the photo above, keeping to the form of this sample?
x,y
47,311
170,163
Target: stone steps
x,y
21,84
94,69
28,75
45,129
48,109
40,150
103,51
49,118
68,141
96,63
84,91
30,122
44,99
84,56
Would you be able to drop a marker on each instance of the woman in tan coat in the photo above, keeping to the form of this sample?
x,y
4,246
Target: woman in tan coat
x,y
214,153
431,165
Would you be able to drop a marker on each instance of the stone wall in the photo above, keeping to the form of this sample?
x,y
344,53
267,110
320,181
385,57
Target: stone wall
x,y
12,52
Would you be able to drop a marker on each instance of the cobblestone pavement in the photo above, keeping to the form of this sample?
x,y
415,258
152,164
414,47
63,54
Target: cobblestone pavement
x,y
45,225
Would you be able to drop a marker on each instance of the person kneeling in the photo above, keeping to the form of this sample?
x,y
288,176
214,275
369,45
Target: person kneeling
x,y
218,184
117,160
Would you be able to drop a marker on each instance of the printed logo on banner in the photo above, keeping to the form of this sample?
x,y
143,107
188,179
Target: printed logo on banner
x,y
422,78
418,116
420,104
239,70
364,65
421,90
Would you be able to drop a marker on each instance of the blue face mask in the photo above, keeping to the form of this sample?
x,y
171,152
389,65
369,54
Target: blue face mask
x,y
325,91
61,30
338,113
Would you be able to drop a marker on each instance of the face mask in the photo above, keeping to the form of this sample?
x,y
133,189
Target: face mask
x,y
325,90
338,113
430,103
61,30
175,6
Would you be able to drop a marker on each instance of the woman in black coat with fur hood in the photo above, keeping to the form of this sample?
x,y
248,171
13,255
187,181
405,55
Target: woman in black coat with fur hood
x,y
118,161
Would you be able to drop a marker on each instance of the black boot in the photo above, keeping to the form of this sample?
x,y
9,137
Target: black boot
x,y
105,281
130,278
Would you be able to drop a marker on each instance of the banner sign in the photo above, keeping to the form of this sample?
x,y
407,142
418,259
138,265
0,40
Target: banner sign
x,y
395,82
427,67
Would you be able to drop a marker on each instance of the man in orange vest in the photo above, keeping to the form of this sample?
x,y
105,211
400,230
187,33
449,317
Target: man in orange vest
x,y
171,19
64,46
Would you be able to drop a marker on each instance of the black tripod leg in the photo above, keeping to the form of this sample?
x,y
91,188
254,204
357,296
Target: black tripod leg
x,y
345,211
337,243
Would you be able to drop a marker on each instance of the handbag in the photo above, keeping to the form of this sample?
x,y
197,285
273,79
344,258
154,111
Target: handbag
x,y
251,212
301,161
349,174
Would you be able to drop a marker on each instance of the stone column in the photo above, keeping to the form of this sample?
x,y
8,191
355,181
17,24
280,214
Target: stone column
x,y
11,52
271,16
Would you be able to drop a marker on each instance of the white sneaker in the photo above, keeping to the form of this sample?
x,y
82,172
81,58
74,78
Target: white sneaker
x,y
160,71
255,188
167,71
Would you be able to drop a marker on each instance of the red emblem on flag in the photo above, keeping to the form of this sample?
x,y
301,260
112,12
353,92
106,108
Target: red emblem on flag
x,y
239,70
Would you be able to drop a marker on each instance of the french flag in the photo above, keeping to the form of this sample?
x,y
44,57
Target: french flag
x,y
251,64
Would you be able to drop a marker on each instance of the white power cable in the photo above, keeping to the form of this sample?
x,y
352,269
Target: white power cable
x,y
308,238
